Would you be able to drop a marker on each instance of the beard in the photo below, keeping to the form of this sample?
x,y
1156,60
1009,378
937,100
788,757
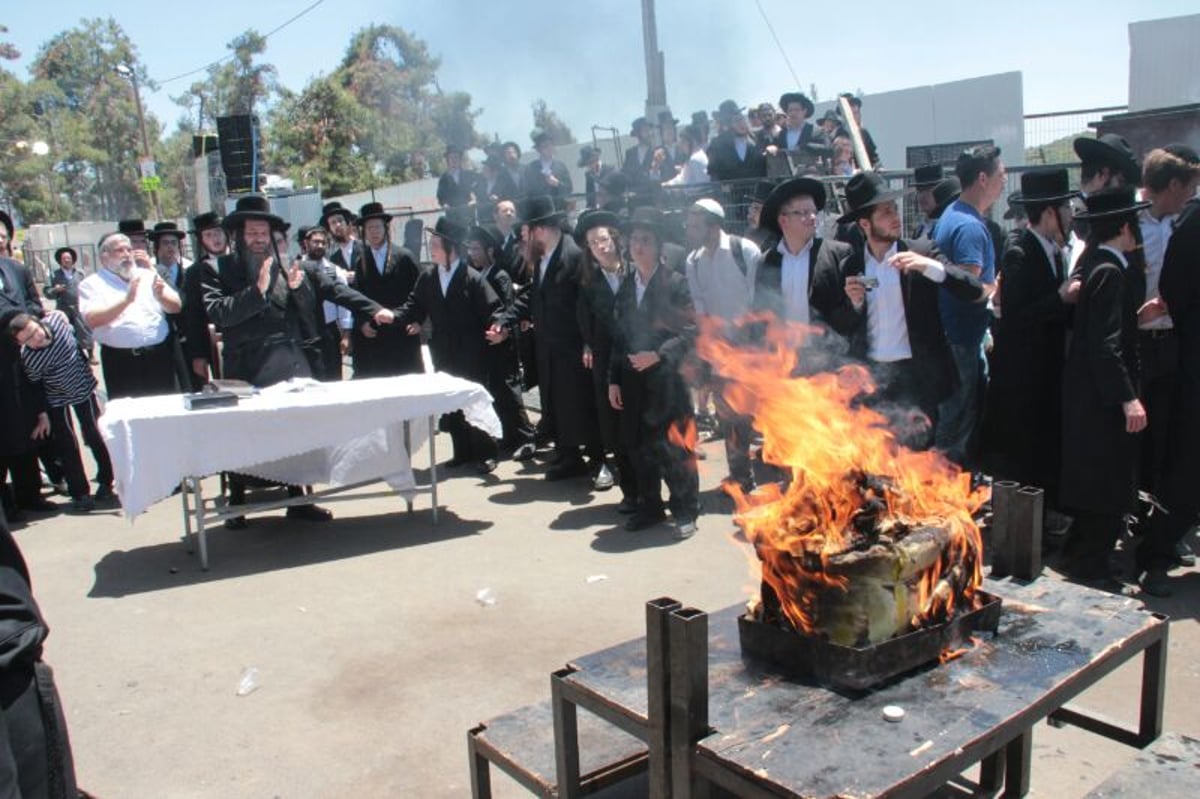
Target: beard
x,y
882,233
315,253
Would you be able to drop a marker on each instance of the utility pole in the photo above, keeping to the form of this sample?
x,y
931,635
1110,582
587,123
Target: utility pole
x,y
149,174
656,81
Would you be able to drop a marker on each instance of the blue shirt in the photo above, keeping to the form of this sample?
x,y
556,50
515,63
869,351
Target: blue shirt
x,y
963,237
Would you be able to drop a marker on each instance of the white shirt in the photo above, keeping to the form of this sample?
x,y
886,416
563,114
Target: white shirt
x,y
613,279
640,287
545,263
716,281
740,145
348,252
143,323
794,281
446,274
1050,248
332,312
1156,234
887,324
793,138
694,172
380,257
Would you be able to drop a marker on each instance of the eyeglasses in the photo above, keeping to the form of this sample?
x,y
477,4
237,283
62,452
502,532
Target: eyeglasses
x,y
801,213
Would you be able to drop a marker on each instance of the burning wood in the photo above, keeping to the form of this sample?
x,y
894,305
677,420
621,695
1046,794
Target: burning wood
x,y
868,540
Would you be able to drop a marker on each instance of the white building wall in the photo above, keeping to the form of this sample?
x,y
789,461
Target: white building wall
x,y
1164,62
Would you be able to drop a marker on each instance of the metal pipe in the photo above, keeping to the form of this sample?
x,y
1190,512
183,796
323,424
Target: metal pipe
x,y
688,653
1025,533
658,692
999,538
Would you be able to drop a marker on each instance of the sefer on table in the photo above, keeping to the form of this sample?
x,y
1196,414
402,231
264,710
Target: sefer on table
x,y
761,735
343,434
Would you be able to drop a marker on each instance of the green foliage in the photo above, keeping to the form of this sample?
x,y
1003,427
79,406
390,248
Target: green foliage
x,y
545,120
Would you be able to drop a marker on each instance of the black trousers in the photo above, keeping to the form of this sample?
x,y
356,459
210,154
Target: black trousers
x,y
654,405
1090,542
900,396
1158,354
504,384
139,372
62,434
470,443
331,353
26,483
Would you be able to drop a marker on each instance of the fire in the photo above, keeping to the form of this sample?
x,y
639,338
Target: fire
x,y
852,484
948,655
683,435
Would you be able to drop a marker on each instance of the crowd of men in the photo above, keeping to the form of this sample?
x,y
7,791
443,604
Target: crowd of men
x,y
1063,354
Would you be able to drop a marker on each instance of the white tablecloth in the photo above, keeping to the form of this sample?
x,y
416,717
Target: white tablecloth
x,y
326,433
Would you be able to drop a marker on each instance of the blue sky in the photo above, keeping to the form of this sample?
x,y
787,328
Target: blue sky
x,y
585,59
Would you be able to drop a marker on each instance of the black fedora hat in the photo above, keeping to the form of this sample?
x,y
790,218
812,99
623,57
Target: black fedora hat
x,y
1116,201
947,191
594,218
864,191
928,176
205,221
793,187
131,227
646,217
1045,185
542,209
762,190
787,98
586,154
727,109
699,117
487,235
6,220
61,251
638,124
449,229
541,137
1111,150
1016,207
253,207
832,116
373,210
667,118
335,209
165,229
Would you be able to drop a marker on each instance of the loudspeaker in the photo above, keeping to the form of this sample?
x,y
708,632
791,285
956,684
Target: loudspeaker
x,y
241,151
203,145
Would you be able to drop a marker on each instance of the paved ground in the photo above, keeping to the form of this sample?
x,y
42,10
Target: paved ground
x,y
373,656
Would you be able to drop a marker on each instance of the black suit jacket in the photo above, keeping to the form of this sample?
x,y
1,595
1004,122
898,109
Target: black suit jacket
x,y
452,193
20,400
591,182
533,182
1179,286
460,318
724,164
768,280
391,352
806,135
68,299
931,352
335,254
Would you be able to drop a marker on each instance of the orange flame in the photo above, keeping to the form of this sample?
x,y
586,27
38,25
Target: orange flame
x,y
841,457
683,435
948,655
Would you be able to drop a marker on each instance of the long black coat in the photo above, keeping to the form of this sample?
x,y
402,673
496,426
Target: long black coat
x,y
724,164
533,182
931,352
1099,465
504,364
460,319
453,193
566,387
597,319
392,352
194,316
20,401
1022,422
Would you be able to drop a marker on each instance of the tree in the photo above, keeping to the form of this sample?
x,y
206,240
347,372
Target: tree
x,y
318,134
547,121
236,85
7,50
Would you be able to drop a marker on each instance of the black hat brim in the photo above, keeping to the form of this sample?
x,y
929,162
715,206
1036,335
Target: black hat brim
x,y
595,219
886,196
62,250
362,220
1089,149
239,218
1111,212
155,235
345,213
768,218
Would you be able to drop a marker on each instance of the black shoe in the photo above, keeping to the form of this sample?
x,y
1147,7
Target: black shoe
x,y
627,505
566,469
1156,583
525,452
486,466
643,519
105,494
39,505
455,462
83,505
309,513
1184,555
236,523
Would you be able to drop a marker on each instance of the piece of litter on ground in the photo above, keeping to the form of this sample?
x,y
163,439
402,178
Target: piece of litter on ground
x,y
302,609
249,682
922,748
893,713
485,597
597,578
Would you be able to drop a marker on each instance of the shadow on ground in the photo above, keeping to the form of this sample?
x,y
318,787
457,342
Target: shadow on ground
x,y
271,543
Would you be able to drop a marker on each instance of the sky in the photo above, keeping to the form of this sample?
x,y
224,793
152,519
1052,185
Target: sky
x,y
585,59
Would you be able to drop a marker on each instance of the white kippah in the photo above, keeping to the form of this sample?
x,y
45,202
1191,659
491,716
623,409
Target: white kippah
x,y
709,207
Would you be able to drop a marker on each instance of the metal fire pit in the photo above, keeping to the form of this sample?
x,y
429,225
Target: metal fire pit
x,y
861,668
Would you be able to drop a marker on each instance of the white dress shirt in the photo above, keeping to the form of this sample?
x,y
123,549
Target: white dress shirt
x,y
446,274
716,281
639,286
794,281
348,253
1050,248
331,311
740,145
887,324
694,172
1156,234
380,257
143,323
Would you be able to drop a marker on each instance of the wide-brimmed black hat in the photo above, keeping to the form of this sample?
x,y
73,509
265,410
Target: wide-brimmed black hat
x,y
1016,207
335,209
864,191
594,218
779,197
638,124
131,227
699,117
487,235
945,192
926,177
831,116
728,108
586,153
447,228
205,221
646,217
1111,150
6,220
541,209
253,207
762,190
1045,186
665,117
541,137
61,251
373,211
165,229
1110,202
787,98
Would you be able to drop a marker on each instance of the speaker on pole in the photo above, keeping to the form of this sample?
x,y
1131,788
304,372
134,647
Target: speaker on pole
x,y
241,152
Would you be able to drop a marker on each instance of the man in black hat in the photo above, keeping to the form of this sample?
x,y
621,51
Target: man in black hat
x,y
668,134
755,231
135,231
64,289
503,359
883,298
1106,161
457,187
798,131
546,174
923,180
386,273
495,185
1022,424
1102,409
946,191
611,193
734,155
593,172
167,240
199,348
700,123
462,309
334,321
867,139
510,153
344,250
563,381
828,129
636,165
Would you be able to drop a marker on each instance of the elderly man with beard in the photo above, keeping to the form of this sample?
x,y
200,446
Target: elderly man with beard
x,y
263,308
126,303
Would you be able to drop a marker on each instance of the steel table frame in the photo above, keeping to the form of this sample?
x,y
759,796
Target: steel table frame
x,y
200,512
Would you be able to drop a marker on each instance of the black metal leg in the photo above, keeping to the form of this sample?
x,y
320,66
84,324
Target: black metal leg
x,y
658,684
566,738
688,653
1018,756
481,775
991,773
1154,684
